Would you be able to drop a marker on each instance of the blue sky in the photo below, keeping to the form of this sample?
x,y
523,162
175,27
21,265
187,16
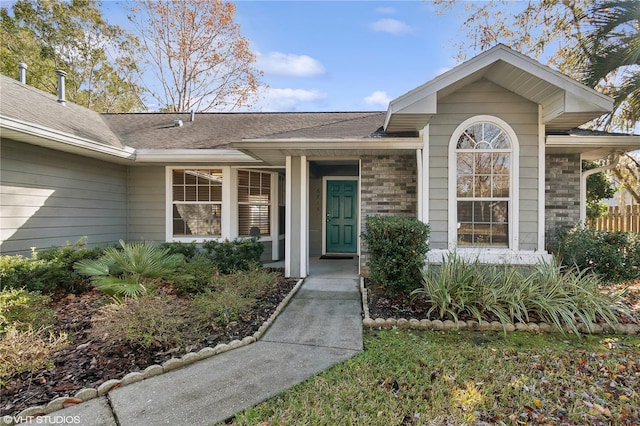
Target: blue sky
x,y
341,55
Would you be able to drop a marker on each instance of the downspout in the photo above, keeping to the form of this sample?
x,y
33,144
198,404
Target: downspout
x,y
613,162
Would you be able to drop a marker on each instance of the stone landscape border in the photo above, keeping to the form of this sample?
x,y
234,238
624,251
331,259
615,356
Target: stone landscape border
x,y
153,370
425,324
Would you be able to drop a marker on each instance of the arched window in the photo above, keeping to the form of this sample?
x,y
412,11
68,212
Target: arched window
x,y
483,165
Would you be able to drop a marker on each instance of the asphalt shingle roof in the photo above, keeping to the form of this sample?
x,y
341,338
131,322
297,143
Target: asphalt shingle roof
x,y
220,130
25,103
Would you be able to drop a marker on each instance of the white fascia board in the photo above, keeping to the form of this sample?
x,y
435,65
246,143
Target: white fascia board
x,y
332,143
629,143
577,102
193,156
63,138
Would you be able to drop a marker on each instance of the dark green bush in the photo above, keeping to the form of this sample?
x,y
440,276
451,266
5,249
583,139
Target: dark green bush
x,y
196,276
57,272
188,250
47,270
19,272
234,256
612,255
398,248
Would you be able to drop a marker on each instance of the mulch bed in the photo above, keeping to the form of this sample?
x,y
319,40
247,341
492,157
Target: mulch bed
x,y
88,363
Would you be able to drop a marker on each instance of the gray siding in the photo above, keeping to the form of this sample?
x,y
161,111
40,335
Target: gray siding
x,y
146,207
50,198
484,98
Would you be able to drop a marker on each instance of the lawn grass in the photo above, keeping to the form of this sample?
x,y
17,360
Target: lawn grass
x,y
409,377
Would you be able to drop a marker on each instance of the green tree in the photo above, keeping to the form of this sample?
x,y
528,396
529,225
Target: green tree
x,y
609,56
196,53
599,187
72,36
594,41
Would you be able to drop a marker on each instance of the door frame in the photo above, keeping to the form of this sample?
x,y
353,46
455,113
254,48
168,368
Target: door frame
x,y
325,179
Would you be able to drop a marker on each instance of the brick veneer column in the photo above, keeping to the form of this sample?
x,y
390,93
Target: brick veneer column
x,y
388,187
562,189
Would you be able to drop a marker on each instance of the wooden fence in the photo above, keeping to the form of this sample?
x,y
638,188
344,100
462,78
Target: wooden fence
x,y
625,219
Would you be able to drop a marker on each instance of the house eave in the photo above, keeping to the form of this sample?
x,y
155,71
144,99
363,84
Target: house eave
x,y
192,156
591,147
275,151
50,138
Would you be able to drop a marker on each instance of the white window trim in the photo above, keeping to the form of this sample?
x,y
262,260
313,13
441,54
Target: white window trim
x,y
229,217
514,190
224,219
272,203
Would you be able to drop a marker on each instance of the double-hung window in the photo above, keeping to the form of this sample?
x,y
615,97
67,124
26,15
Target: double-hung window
x,y
254,203
483,185
196,202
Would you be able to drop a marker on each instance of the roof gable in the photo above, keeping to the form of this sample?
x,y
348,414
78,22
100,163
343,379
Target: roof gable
x,y
565,102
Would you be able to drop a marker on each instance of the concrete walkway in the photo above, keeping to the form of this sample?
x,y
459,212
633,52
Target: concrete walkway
x,y
321,326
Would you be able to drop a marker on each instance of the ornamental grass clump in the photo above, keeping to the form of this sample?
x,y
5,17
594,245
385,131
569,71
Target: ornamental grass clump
x,y
397,247
559,296
130,270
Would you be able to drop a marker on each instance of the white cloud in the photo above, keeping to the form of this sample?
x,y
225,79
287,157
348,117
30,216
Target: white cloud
x,y
378,98
279,100
391,26
289,64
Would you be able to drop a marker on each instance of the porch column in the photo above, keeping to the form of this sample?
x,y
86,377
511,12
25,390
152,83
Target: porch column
x,y
296,242
423,177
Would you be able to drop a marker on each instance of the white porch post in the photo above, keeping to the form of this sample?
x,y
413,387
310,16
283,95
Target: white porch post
x,y
304,217
275,220
296,242
288,218
424,187
542,218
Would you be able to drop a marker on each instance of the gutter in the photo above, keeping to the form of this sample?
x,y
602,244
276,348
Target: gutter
x,y
63,138
192,156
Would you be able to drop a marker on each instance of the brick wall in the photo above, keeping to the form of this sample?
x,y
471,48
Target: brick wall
x,y
388,187
562,189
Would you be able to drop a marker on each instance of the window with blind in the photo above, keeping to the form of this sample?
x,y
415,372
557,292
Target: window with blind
x,y
197,202
484,162
254,203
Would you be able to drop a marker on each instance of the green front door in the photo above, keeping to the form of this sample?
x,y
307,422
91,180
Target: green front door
x,y
342,217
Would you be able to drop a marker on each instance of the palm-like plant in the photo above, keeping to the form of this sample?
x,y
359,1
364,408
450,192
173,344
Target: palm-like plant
x,y
612,55
129,270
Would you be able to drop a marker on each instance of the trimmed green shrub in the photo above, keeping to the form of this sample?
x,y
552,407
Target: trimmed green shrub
x,y
233,256
188,250
196,276
47,270
57,271
397,248
20,272
614,256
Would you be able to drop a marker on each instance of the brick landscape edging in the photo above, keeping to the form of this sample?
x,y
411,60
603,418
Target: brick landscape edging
x,y
425,324
86,394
